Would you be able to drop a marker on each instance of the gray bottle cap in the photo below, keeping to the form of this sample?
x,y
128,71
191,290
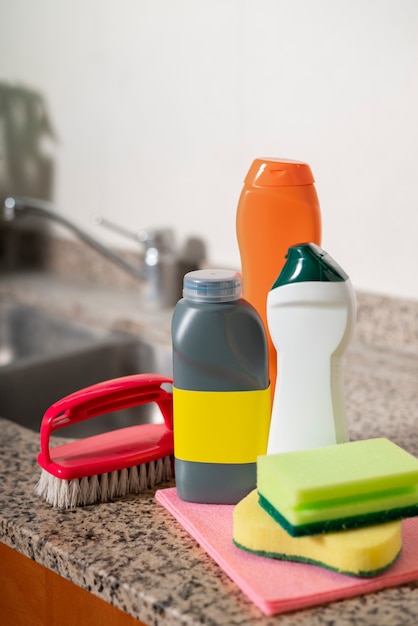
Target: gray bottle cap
x,y
212,286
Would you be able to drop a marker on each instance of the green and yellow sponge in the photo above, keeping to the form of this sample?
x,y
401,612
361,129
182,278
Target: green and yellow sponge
x,y
339,487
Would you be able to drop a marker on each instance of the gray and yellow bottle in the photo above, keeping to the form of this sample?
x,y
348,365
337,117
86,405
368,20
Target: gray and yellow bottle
x,y
221,391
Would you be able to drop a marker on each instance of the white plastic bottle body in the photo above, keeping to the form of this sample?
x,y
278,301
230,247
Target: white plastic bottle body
x,y
311,325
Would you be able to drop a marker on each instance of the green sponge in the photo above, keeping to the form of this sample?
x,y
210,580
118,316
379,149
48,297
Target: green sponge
x,y
362,552
337,487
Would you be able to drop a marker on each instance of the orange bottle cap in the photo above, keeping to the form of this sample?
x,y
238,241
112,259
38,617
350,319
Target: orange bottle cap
x,y
278,173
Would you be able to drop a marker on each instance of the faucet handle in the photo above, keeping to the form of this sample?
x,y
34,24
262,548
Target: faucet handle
x,y
161,270
160,238
99,220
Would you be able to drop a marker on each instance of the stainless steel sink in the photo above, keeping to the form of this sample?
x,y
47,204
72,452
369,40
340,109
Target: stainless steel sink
x,y
27,333
44,358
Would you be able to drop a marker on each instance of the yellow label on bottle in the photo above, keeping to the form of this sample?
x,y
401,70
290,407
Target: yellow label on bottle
x,y
221,426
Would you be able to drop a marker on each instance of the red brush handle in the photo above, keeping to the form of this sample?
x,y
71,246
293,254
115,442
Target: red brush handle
x,y
111,395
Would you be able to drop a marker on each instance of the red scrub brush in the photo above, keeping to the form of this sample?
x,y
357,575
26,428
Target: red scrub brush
x,y
112,464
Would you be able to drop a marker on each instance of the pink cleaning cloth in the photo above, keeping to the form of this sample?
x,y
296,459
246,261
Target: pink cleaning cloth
x,y
279,586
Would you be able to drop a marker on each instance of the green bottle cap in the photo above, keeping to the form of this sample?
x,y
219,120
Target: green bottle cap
x,y
307,262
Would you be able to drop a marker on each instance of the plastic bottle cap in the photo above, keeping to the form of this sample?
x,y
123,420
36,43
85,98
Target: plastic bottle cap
x,y
212,286
278,173
307,262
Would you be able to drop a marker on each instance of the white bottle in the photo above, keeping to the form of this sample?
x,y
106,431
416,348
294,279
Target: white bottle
x,y
311,312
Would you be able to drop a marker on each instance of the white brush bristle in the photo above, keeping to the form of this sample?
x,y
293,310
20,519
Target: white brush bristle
x,y
67,494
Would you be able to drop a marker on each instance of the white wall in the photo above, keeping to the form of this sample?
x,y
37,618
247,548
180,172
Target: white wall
x,y
161,105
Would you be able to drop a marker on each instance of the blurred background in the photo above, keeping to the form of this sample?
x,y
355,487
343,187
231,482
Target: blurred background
x,y
151,112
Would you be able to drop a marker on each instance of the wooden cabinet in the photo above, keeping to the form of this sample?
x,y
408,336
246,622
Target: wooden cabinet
x,y
30,594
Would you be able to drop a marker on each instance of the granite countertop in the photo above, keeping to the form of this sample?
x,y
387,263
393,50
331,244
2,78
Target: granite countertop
x,y
133,553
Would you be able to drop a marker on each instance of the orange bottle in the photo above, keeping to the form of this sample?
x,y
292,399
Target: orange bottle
x,y
278,208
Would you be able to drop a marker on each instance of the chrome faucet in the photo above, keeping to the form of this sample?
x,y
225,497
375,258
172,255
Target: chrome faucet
x,y
162,268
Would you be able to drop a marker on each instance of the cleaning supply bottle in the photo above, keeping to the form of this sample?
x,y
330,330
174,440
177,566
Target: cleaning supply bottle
x,y
278,208
311,311
221,395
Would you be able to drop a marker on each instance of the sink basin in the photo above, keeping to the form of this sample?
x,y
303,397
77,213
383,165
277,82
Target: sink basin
x,y
44,358
27,333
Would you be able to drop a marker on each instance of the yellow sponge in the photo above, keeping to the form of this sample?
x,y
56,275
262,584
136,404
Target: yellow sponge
x,y
361,552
